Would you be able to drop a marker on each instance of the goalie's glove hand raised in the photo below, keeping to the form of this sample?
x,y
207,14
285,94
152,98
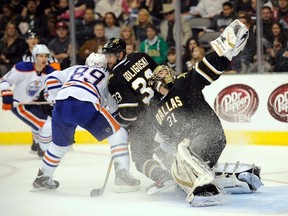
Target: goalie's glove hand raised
x,y
7,100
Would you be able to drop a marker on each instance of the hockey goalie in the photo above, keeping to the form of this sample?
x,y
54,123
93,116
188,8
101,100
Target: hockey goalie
x,y
185,118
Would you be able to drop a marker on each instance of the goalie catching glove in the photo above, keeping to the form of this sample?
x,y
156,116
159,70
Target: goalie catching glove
x,y
232,40
7,100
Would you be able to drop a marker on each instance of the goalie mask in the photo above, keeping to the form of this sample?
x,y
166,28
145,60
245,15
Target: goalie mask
x,y
162,74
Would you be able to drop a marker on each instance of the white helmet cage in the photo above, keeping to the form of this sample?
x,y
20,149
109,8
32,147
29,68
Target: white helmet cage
x,y
96,59
40,49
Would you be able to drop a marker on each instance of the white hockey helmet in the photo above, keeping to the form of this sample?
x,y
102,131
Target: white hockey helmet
x,y
96,59
40,49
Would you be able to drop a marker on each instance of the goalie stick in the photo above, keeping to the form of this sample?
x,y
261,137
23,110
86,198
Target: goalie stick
x,y
100,191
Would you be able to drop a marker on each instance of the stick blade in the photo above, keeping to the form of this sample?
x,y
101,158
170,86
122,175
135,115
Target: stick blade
x,y
96,192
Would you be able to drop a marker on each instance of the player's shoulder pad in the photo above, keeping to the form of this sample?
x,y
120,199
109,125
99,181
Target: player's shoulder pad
x,y
24,66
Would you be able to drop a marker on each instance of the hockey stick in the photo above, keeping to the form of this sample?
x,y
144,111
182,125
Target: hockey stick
x,y
100,191
33,103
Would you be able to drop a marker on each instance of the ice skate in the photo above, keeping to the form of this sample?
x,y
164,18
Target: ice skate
x,y
40,153
34,148
165,181
44,182
207,195
125,182
232,40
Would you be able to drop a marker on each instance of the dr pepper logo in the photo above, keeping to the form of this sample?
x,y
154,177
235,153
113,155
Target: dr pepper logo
x,y
278,103
236,103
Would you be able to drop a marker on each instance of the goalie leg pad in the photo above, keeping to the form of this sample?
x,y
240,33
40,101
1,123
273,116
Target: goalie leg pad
x,y
195,177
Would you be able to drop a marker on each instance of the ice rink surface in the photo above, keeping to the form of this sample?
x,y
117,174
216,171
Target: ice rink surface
x,y
84,168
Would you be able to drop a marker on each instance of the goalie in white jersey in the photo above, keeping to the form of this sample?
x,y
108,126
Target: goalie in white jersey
x,y
28,79
81,94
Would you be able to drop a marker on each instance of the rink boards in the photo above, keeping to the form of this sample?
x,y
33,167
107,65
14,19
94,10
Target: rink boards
x,y
253,110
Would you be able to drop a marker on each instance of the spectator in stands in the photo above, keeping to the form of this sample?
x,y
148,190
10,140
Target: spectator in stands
x,y
268,3
8,15
253,12
112,27
32,39
130,47
104,6
154,8
208,8
168,28
171,59
227,16
93,45
12,47
281,14
67,62
59,7
18,7
127,34
59,45
243,5
50,31
79,10
281,60
197,55
279,41
133,7
155,46
85,28
187,7
44,7
142,21
187,56
281,10
267,20
35,19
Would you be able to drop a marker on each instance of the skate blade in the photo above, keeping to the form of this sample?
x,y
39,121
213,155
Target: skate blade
x,y
126,188
37,190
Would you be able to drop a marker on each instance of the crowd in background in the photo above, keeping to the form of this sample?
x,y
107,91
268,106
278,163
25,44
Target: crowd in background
x,y
145,25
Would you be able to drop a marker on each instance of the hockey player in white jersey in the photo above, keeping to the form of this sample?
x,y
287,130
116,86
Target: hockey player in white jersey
x,y
81,97
32,38
23,84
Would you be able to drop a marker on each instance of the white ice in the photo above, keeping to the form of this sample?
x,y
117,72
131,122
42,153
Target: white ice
x,y
85,167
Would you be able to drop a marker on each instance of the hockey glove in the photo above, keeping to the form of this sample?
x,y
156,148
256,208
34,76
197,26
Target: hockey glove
x,y
46,109
232,40
7,100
